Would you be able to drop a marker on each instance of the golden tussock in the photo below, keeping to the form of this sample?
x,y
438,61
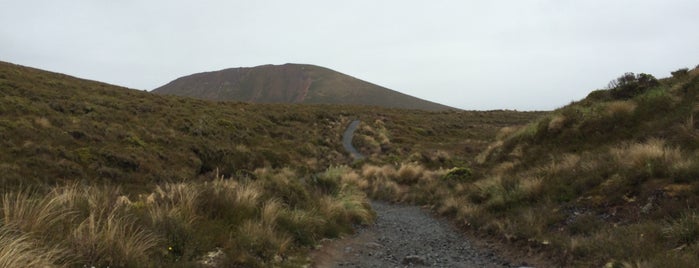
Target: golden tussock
x,y
620,107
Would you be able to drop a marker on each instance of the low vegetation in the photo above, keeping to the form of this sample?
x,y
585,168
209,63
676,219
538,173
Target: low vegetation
x,y
609,181
224,222
97,175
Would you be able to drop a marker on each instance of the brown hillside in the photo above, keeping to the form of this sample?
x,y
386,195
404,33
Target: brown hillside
x,y
291,83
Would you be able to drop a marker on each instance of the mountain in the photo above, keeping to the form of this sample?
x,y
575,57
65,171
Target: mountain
x,y
292,83
163,181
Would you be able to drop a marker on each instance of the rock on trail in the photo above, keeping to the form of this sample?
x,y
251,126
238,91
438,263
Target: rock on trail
x,y
405,236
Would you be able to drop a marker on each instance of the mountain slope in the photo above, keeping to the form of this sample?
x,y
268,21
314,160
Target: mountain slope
x,y
291,83
56,127
608,181
184,179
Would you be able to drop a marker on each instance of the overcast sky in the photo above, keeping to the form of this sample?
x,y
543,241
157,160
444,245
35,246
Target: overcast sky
x,y
476,55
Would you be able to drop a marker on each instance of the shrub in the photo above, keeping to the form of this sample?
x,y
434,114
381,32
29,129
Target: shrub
x,y
459,174
680,72
599,95
328,182
629,85
654,103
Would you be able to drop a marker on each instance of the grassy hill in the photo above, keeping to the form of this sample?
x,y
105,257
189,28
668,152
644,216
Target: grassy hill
x,y
611,180
95,174
291,83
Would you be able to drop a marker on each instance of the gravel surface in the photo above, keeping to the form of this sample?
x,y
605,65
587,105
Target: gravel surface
x,y
406,236
347,140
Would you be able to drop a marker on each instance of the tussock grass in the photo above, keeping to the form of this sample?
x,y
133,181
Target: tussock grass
x,y
640,155
649,159
111,241
21,250
189,172
409,173
683,230
556,123
600,182
180,222
261,240
620,108
28,212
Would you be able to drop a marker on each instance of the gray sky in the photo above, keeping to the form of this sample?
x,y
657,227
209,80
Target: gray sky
x,y
515,54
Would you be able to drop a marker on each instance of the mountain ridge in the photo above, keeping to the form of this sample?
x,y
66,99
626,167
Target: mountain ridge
x,y
291,83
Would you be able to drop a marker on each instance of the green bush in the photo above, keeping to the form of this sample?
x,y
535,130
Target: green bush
x,y
680,72
629,85
459,174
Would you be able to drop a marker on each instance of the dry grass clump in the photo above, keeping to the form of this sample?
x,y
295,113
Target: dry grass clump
x,y
409,173
30,213
112,241
382,132
43,122
493,147
569,162
409,182
371,171
22,250
505,132
651,158
531,187
87,225
456,205
181,222
621,108
348,207
174,198
261,240
556,123
504,168
386,189
352,178
630,242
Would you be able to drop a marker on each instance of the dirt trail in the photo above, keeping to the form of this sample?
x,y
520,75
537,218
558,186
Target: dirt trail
x,y
347,140
405,236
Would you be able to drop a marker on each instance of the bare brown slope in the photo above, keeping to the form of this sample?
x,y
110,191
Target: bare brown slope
x,y
291,83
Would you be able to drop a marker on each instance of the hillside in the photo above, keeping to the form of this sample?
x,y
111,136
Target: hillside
x,y
609,181
99,175
291,83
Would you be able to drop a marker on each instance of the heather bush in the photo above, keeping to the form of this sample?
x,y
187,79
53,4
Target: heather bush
x,y
629,85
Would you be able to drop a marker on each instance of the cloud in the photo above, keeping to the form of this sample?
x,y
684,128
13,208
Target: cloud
x,y
533,54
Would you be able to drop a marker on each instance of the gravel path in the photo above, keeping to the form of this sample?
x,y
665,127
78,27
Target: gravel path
x,y
347,140
405,236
